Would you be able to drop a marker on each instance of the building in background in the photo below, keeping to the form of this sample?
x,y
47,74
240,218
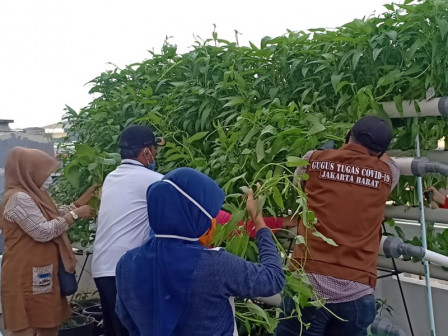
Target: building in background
x,y
56,132
32,137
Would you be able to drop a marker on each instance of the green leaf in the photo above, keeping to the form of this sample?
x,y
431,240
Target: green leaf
x,y
412,50
294,161
341,85
197,136
259,149
356,56
205,114
277,197
235,219
364,101
176,157
398,99
238,244
257,310
92,166
253,46
300,240
329,241
390,78
234,102
147,92
71,173
335,80
269,129
249,135
376,52
233,180
392,34
305,71
316,128
71,111
344,59
85,150
443,27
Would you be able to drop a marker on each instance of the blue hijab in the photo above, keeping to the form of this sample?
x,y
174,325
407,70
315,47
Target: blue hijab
x,y
153,280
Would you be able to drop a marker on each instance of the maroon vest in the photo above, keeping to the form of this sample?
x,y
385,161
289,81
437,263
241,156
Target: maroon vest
x,y
347,190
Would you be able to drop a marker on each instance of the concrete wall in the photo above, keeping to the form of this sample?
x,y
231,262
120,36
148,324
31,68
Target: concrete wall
x,y
416,298
415,291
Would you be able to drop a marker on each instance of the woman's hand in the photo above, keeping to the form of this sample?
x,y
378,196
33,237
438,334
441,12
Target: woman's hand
x,y
85,211
252,209
87,196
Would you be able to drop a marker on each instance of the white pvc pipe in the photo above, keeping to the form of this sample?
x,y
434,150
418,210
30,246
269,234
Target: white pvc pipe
x,y
411,267
404,164
433,107
433,155
383,239
437,258
274,300
412,213
431,256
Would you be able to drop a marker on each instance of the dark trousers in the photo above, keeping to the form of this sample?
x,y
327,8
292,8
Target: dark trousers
x,y
108,292
356,316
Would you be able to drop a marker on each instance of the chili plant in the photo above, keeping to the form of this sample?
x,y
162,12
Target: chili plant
x,y
237,112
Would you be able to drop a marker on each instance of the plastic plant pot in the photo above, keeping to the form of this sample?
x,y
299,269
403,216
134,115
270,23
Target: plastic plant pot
x,y
78,325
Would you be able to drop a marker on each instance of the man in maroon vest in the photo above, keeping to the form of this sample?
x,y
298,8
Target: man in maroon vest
x,y
347,190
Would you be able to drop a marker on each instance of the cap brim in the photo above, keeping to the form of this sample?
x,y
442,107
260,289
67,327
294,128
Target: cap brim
x,y
160,142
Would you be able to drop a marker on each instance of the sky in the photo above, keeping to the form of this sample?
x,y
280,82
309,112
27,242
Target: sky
x,y
50,49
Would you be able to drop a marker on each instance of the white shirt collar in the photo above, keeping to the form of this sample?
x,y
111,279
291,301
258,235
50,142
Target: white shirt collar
x,y
131,161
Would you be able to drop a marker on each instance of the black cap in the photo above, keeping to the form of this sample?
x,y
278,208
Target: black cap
x,y
373,133
137,136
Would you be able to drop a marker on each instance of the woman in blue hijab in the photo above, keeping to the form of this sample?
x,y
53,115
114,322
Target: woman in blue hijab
x,y
174,284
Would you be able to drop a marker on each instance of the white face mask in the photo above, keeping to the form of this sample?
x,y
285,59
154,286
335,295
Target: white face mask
x,y
46,185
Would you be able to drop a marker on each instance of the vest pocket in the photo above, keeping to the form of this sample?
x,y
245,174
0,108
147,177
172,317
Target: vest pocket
x,y
42,279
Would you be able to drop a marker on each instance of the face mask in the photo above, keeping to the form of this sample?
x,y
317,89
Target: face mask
x,y
207,238
204,239
46,185
151,166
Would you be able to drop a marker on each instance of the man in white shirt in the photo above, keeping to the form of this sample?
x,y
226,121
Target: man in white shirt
x,y
123,218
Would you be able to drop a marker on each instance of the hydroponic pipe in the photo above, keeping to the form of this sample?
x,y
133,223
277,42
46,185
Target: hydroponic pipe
x,y
413,268
274,300
432,107
419,166
433,155
412,213
393,247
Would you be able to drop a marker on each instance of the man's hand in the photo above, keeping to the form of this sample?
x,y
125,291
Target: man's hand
x,y
87,196
437,195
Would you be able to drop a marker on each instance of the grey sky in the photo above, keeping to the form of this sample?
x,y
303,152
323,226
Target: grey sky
x,y
51,48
